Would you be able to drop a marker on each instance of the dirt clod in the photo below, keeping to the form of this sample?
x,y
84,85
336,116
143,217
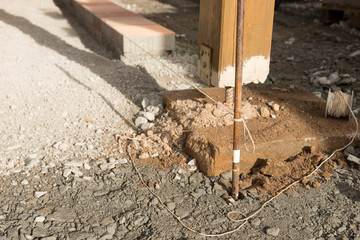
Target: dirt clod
x,y
316,184
264,112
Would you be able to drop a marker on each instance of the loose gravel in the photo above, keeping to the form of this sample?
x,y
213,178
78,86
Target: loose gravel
x,y
64,100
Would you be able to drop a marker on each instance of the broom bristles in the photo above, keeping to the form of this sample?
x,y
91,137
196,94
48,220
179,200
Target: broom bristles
x,y
338,104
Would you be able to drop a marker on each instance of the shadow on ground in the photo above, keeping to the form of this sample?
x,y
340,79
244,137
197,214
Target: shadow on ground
x,y
350,192
133,82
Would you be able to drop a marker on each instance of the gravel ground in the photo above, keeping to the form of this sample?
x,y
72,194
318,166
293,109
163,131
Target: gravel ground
x,y
63,98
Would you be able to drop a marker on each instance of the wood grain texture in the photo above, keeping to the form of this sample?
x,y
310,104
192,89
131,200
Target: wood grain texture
x,y
217,30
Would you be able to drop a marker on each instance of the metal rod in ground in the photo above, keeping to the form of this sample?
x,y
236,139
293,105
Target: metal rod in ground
x,y
237,100
229,95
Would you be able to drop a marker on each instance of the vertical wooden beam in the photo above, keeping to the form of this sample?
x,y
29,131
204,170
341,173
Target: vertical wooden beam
x,y
217,29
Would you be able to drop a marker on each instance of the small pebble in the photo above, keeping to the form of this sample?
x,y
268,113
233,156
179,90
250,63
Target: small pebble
x,y
87,166
67,173
144,155
276,107
140,121
39,194
149,116
264,112
273,231
123,161
255,222
24,182
39,219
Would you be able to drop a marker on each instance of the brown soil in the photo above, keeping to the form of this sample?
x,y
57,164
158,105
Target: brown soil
x,y
268,176
196,115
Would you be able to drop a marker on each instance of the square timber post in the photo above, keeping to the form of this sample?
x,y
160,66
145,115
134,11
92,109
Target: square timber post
x,y
217,30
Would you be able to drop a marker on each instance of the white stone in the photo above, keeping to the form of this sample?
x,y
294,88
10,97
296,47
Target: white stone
x,y
146,126
140,121
99,131
322,80
51,165
153,155
87,166
149,116
273,231
24,182
14,147
79,144
123,161
153,109
354,54
353,159
334,78
77,172
67,172
28,237
73,164
290,41
145,102
39,194
39,219
192,162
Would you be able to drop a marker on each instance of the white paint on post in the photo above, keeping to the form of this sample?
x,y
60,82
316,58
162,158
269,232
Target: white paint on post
x,y
226,78
236,156
255,70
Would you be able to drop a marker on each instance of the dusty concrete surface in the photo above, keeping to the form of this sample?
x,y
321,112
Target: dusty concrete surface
x,y
63,98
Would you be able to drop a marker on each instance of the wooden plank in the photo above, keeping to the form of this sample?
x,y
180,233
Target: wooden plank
x,y
217,30
126,33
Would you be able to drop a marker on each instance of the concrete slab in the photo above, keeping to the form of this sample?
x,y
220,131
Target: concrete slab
x,y
125,32
301,123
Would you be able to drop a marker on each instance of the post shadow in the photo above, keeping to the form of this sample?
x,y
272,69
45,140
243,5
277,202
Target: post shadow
x,y
116,73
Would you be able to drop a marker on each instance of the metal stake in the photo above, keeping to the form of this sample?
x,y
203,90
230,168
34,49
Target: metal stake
x,y
237,101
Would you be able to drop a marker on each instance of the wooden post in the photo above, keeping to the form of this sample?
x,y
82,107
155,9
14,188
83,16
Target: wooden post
x,y
217,30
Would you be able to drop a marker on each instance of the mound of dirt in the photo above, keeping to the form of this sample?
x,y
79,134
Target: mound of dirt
x,y
196,115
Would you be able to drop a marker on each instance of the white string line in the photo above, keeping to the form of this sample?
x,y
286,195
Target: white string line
x,y
246,217
201,91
